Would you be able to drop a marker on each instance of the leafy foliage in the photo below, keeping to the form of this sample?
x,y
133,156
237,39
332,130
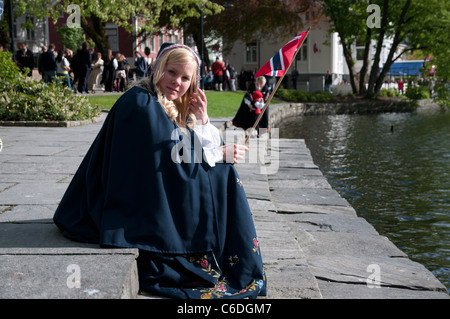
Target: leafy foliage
x,y
24,99
73,38
418,93
418,24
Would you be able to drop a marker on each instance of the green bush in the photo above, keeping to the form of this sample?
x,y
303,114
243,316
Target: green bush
x,y
302,96
442,94
391,92
24,99
418,93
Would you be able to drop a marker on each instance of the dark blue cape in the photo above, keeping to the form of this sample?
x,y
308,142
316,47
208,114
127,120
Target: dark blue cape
x,y
191,221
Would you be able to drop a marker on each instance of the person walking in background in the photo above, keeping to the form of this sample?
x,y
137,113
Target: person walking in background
x,y
49,64
400,85
294,77
328,81
96,72
84,67
24,58
40,68
62,68
109,72
141,66
218,69
232,72
121,74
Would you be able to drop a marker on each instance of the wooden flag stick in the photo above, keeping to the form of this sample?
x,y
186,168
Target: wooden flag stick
x,y
274,90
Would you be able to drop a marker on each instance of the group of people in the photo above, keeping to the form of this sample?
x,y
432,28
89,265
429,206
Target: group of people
x,y
63,64
117,72
83,71
220,76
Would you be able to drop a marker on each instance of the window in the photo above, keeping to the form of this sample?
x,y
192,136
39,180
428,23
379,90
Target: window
x,y
251,53
151,43
360,46
30,32
302,55
113,36
160,39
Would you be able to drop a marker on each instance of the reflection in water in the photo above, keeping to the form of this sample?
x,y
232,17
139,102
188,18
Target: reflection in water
x,y
394,169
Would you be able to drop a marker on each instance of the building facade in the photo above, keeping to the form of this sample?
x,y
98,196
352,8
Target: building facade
x,y
321,52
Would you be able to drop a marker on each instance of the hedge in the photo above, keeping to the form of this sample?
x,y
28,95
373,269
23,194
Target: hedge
x,y
25,99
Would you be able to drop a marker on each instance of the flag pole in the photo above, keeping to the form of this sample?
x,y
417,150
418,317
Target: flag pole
x,y
275,89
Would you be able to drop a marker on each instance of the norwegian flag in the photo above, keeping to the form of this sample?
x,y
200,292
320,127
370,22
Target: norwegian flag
x,y
280,62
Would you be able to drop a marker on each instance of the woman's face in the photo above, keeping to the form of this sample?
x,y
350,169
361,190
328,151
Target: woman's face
x,y
176,80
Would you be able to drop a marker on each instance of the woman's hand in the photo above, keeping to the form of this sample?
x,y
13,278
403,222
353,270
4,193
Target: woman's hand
x,y
199,105
233,152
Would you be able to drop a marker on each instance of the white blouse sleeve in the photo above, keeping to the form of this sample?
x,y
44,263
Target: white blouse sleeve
x,y
211,141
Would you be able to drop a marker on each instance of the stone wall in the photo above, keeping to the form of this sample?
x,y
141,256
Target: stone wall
x,y
278,112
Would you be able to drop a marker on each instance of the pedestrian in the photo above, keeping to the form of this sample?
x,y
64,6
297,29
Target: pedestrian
x,y
232,73
49,64
84,67
294,77
75,69
141,66
209,80
109,71
241,79
249,78
121,74
62,68
328,81
155,179
218,69
400,85
40,68
25,58
96,72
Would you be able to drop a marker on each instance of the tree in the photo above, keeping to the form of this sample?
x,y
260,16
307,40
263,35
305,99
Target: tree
x,y
347,19
94,14
72,38
419,24
246,20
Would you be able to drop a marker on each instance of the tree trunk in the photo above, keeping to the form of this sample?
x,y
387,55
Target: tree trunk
x,y
350,64
97,33
196,36
365,67
390,59
376,61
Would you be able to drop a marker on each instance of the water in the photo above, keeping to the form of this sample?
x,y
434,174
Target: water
x,y
394,169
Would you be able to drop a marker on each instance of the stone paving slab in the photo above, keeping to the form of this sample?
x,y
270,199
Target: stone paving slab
x,y
312,242
339,250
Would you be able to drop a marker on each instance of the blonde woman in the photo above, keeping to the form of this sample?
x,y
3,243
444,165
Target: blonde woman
x,y
156,179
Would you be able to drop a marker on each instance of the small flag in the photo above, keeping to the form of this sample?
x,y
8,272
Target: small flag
x,y
280,62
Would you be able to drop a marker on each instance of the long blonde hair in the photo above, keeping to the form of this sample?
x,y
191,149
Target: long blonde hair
x,y
178,110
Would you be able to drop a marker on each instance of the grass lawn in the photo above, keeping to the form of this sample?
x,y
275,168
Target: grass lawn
x,y
220,104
